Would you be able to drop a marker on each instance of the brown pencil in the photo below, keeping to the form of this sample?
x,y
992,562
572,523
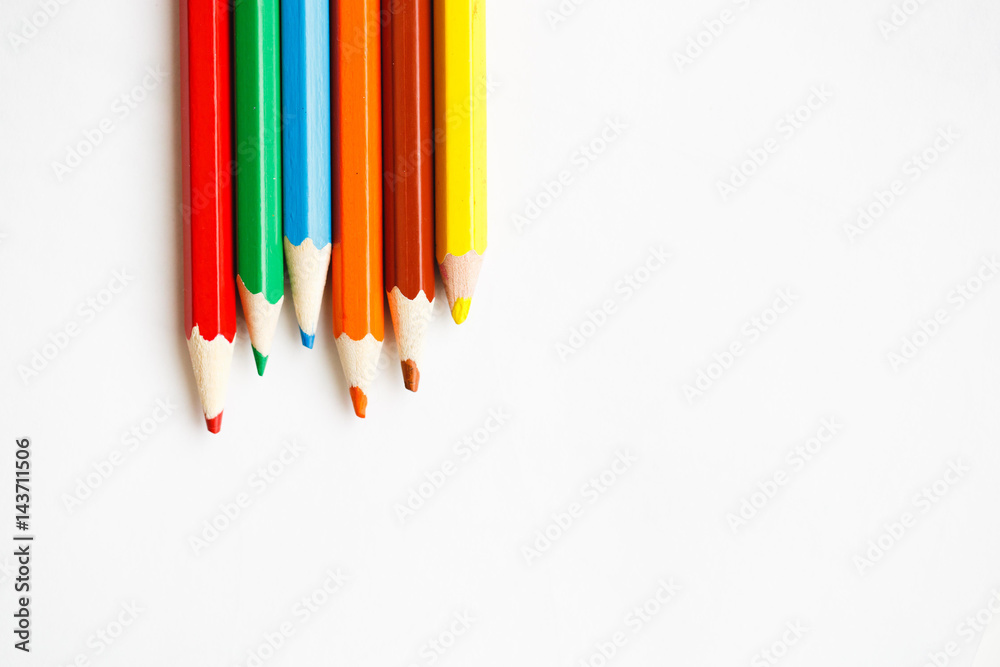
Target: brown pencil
x,y
408,187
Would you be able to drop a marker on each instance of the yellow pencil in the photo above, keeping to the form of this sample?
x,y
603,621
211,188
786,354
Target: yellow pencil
x,y
460,162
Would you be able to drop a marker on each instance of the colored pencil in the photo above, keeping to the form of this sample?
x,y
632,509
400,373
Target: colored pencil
x,y
260,267
358,319
209,296
305,99
408,190
460,120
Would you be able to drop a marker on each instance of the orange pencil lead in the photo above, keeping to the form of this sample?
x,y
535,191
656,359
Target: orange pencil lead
x,y
359,400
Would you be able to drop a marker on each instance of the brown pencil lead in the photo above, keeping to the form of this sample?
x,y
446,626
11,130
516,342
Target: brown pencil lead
x,y
411,374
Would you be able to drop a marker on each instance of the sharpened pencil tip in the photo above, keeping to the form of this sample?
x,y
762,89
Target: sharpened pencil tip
x,y
307,339
214,424
460,310
360,401
411,374
260,360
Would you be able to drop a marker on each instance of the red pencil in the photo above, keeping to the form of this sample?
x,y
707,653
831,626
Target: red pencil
x,y
209,292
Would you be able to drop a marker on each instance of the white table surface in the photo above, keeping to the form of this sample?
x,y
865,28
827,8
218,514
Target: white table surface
x,y
456,584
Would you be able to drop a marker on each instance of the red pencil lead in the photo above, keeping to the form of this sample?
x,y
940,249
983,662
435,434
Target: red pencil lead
x,y
215,423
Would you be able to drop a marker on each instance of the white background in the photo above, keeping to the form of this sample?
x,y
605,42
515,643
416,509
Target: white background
x,y
655,185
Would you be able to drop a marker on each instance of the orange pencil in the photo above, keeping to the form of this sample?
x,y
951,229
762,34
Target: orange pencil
x,y
358,319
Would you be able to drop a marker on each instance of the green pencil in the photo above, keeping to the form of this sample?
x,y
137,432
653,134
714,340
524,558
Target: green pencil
x,y
259,255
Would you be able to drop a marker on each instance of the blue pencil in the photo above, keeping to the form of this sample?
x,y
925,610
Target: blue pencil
x,y
305,101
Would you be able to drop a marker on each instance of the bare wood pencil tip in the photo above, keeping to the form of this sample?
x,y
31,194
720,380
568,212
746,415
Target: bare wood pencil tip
x,y
211,360
460,275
